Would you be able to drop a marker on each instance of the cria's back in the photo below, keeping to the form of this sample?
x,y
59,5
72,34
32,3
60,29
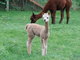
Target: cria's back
x,y
34,29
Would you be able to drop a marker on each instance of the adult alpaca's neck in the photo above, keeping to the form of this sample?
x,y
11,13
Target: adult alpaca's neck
x,y
46,27
39,15
43,11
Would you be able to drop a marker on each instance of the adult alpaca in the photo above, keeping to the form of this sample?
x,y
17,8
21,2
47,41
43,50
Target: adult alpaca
x,y
38,30
52,6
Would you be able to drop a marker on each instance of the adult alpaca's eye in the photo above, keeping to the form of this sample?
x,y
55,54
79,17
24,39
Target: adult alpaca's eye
x,y
47,17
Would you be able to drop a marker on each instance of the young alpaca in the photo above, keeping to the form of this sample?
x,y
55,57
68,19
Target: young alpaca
x,y
38,30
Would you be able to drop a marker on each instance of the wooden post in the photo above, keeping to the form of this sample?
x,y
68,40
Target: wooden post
x,y
36,3
7,5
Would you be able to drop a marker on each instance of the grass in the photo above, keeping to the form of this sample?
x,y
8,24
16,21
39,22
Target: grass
x,y
63,42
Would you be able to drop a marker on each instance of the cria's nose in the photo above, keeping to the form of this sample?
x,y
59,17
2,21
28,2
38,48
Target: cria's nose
x,y
44,19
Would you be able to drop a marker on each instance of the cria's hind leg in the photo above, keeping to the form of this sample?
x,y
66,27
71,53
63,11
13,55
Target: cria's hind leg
x,y
29,44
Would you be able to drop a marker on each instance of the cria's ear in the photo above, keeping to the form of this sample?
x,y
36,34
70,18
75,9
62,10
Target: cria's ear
x,y
48,13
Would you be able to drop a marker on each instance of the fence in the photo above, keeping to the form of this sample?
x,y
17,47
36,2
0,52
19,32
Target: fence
x,y
34,5
27,4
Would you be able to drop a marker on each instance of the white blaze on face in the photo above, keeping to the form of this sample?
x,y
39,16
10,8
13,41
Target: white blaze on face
x,y
45,17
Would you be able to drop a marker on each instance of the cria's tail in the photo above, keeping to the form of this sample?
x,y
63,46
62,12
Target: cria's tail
x,y
26,26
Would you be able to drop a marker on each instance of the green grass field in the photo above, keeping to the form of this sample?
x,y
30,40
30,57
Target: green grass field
x,y
63,42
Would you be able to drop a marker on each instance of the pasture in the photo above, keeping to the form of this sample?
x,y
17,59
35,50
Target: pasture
x,y
63,42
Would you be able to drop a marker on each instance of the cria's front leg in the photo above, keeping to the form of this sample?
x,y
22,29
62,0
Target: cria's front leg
x,y
44,47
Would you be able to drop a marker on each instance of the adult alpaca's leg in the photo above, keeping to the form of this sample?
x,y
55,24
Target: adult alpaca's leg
x,y
29,44
53,16
67,15
62,16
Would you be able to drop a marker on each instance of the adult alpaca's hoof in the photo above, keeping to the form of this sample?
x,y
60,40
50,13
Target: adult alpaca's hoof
x,y
66,22
59,22
53,23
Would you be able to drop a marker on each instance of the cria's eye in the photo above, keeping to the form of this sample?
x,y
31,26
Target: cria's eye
x,y
47,17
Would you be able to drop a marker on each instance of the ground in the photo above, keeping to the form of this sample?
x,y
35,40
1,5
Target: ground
x,y
63,42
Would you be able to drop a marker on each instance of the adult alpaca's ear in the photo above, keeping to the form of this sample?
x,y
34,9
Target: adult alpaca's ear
x,y
33,15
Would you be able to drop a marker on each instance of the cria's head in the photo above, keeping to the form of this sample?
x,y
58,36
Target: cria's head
x,y
46,17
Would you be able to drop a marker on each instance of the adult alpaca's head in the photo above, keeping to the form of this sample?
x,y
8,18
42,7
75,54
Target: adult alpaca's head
x,y
46,17
33,18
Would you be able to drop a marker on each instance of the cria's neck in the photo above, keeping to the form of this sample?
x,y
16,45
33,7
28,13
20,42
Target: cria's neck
x,y
46,27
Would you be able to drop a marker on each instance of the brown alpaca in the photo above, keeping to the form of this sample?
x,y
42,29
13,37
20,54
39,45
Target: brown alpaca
x,y
52,6
38,30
